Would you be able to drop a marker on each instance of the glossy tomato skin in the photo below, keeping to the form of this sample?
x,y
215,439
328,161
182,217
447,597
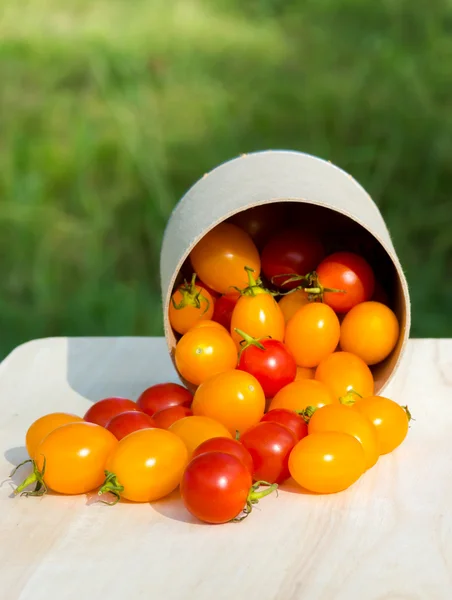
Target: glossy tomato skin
x,y
221,256
303,393
270,445
326,463
104,410
149,463
337,417
229,446
233,398
215,487
195,430
75,457
204,352
128,422
260,222
224,307
166,417
370,330
288,418
290,304
163,395
258,316
389,418
344,373
184,318
208,323
349,272
291,251
43,426
273,367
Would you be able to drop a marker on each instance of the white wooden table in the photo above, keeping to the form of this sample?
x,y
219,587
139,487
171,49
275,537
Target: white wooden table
x,y
388,537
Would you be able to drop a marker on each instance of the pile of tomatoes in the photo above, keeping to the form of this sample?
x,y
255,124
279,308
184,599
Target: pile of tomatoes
x,y
277,339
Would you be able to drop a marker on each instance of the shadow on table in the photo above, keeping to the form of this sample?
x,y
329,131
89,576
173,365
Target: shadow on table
x,y
103,367
173,508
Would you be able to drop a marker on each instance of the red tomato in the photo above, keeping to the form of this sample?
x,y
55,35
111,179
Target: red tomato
x,y
288,418
261,221
270,445
291,251
102,412
212,292
349,272
270,362
166,417
163,395
224,307
127,422
216,487
229,446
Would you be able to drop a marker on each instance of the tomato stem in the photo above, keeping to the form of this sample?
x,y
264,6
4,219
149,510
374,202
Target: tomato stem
x,y
408,413
191,296
111,485
254,496
36,477
349,399
249,340
306,413
314,289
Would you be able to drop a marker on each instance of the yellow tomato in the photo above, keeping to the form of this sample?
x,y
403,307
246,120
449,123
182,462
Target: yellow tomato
x,y
258,316
208,323
300,394
233,398
190,304
292,302
221,256
196,430
389,418
305,373
345,373
43,426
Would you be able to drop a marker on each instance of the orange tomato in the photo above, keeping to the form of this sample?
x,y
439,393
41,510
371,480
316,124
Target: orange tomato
x,y
233,398
305,373
291,303
370,330
148,465
208,323
189,304
389,418
326,463
204,352
337,417
221,256
312,334
258,316
345,373
43,426
302,393
196,430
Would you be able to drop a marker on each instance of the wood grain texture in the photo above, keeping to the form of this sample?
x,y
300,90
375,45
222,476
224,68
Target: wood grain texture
x,y
388,537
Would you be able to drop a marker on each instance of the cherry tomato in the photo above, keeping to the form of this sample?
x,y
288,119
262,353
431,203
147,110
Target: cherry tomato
x,y
370,330
337,417
217,487
289,419
189,304
345,373
221,256
270,362
291,251
290,304
259,316
301,394
103,411
43,426
233,398
204,352
389,418
229,446
269,445
129,421
163,395
328,462
166,417
146,466
349,272
305,373
71,459
312,334
195,430
260,221
224,307
209,323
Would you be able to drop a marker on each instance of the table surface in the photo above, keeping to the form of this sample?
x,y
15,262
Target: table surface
x,y
388,537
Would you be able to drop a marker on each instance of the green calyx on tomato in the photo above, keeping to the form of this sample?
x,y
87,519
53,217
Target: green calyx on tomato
x,y
254,496
249,340
306,413
311,286
350,397
191,296
111,485
408,413
36,477
254,286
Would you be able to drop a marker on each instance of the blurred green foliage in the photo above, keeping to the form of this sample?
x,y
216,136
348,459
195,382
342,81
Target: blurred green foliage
x,y
111,109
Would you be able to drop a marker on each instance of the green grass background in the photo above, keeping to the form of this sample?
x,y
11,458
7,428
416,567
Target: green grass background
x,y
111,109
